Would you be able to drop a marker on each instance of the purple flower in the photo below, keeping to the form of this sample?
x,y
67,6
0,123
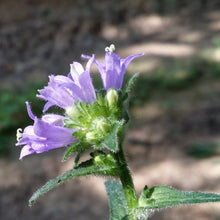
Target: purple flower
x,y
64,91
44,135
113,69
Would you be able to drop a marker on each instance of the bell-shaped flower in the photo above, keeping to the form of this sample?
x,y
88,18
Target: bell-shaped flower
x,y
45,134
63,91
113,69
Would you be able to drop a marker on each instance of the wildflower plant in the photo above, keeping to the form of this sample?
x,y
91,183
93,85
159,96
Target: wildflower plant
x,y
95,121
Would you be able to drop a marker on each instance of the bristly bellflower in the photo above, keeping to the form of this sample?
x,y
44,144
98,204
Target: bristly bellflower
x,y
95,121
45,134
88,117
63,91
113,69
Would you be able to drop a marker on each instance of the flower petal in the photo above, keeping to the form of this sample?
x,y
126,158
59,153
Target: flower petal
x,y
64,91
26,150
45,134
47,106
75,70
125,62
113,69
87,89
54,119
56,93
30,113
55,133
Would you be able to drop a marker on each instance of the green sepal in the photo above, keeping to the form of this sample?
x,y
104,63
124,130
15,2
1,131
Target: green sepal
x,y
80,135
78,147
111,140
70,151
85,168
117,201
82,108
165,196
125,115
129,86
76,161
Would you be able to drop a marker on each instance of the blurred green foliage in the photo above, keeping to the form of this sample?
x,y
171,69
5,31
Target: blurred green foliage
x,y
204,150
177,76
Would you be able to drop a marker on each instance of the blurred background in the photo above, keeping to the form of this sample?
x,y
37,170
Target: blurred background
x,y
174,136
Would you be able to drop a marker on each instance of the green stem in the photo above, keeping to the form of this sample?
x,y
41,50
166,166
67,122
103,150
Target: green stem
x,y
127,183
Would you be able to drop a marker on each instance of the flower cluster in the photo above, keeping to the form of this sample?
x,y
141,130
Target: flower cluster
x,y
89,114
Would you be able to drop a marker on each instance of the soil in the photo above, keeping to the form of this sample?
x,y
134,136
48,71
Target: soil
x,y
44,37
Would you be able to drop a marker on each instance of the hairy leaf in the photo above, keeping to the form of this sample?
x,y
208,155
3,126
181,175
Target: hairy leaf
x,y
70,151
165,196
86,168
78,147
117,201
130,84
111,140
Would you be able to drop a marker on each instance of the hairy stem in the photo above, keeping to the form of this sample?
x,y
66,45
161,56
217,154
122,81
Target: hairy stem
x,y
127,183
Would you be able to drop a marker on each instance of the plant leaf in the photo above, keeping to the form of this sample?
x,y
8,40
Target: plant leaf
x,y
165,196
78,147
117,201
129,86
85,168
70,151
77,158
111,140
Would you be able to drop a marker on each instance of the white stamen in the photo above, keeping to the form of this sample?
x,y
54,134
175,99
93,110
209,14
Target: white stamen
x,y
19,134
111,48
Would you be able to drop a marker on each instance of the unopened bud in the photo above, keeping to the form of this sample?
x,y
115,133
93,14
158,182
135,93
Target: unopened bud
x,y
72,112
98,159
112,97
110,157
102,125
91,136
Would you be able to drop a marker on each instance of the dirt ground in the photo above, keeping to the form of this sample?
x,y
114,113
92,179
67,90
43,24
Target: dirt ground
x,y
159,137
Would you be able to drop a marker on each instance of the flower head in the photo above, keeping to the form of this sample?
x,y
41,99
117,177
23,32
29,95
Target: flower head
x,y
64,91
113,69
45,134
90,118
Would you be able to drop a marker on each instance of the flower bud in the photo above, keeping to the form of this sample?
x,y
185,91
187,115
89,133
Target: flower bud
x,y
91,136
112,97
101,125
72,112
110,157
99,159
